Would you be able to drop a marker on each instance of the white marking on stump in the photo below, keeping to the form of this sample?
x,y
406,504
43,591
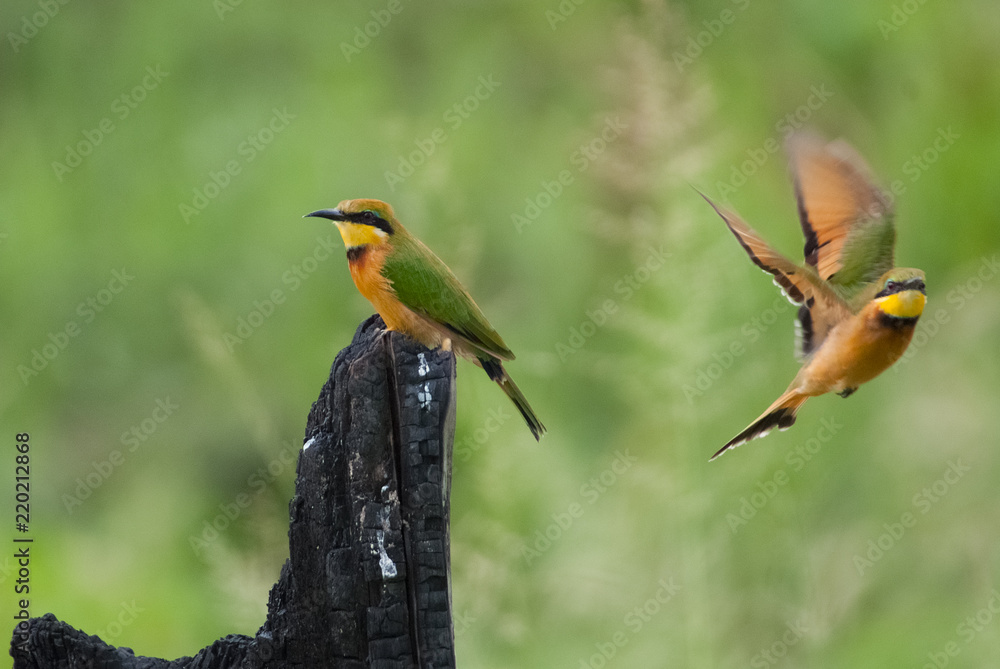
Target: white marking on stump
x,y
423,368
309,443
424,396
384,561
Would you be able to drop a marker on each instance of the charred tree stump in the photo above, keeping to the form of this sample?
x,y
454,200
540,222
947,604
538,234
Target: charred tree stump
x,y
367,583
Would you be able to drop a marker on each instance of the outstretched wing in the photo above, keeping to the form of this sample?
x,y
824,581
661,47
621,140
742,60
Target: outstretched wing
x,y
846,218
820,307
425,284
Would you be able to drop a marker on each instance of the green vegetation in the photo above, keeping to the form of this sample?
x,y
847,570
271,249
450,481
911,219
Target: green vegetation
x,y
169,317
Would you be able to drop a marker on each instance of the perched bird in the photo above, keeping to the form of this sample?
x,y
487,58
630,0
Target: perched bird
x,y
416,293
857,310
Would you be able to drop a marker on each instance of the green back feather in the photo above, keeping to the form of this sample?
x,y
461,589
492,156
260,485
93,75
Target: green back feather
x,y
425,284
867,255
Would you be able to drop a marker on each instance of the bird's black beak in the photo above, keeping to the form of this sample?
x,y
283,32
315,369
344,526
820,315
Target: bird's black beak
x,y
332,214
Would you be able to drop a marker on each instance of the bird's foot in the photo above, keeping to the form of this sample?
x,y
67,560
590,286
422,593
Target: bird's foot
x,y
847,392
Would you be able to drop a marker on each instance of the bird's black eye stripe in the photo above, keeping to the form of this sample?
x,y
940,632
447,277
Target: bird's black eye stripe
x,y
369,217
889,288
892,286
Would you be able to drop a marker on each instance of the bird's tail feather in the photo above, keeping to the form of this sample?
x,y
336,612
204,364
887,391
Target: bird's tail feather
x,y
494,368
779,415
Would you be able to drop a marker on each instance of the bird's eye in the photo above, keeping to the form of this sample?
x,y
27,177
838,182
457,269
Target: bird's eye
x,y
369,216
890,285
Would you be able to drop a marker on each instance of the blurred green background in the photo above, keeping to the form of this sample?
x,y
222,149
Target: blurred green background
x,y
168,317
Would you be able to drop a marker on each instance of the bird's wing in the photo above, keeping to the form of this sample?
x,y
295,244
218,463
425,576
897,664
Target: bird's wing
x,y
846,218
820,307
425,285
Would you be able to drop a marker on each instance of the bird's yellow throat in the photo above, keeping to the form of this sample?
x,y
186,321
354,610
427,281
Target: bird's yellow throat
x,y
356,235
904,304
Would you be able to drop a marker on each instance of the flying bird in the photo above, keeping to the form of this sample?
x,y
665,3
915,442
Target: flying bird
x,y
857,311
416,293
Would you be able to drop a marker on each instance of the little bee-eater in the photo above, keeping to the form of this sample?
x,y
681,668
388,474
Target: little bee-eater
x,y
857,311
416,293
